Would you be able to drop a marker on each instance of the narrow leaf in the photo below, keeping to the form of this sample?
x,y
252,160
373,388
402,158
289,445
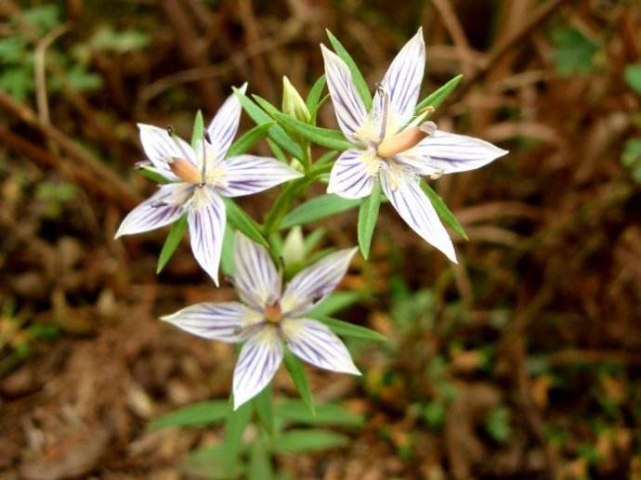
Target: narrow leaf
x,y
299,441
437,98
201,413
227,256
336,302
315,93
442,210
237,421
330,414
153,175
322,136
260,465
265,409
243,222
198,131
278,152
317,208
246,141
174,238
347,329
296,371
367,216
357,76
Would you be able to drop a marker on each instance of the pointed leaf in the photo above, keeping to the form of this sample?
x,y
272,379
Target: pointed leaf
x,y
201,413
260,464
265,409
367,216
244,223
247,140
437,98
317,208
237,421
174,238
442,210
357,76
227,256
325,137
296,371
299,441
295,411
347,329
335,302
314,96
153,175
197,134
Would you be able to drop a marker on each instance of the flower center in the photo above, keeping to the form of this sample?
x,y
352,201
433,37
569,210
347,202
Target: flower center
x,y
404,140
185,170
273,313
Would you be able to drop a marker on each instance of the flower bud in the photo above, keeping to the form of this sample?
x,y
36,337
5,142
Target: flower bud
x,y
294,247
293,103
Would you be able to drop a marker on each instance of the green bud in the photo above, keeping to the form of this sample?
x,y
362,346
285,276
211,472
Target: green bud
x,y
293,103
294,247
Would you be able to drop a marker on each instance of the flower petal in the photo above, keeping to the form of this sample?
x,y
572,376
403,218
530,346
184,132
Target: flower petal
x,y
247,174
445,152
216,321
259,360
404,192
224,125
353,174
313,342
206,221
403,80
162,208
314,283
160,148
349,108
256,279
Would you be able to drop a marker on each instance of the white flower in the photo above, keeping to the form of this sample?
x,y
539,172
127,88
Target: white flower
x,y
269,317
390,146
198,178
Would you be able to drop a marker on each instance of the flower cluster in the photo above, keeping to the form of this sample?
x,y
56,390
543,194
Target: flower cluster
x,y
391,145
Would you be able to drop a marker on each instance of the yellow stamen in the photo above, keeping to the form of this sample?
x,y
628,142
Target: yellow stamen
x,y
408,138
185,170
273,313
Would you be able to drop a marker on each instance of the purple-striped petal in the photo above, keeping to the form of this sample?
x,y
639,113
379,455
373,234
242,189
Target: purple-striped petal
x,y
206,221
348,106
313,342
404,192
259,360
224,125
215,321
162,208
402,82
314,283
247,174
445,152
256,279
160,148
353,174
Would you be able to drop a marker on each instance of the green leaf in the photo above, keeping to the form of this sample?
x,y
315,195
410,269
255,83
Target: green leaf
x,y
357,76
265,409
151,174
336,302
260,465
367,216
317,208
237,421
246,141
632,77
227,255
322,136
201,413
296,371
314,96
243,222
573,52
437,98
347,329
174,238
330,414
278,152
299,441
443,211
198,132
276,132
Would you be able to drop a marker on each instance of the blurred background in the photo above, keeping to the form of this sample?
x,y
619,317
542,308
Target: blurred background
x,y
521,362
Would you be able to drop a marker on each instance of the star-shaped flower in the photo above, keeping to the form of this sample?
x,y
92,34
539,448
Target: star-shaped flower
x,y
197,180
391,146
270,317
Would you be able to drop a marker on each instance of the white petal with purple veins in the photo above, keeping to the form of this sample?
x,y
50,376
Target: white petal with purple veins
x,y
313,342
314,283
162,208
259,360
256,279
353,174
206,221
215,321
348,105
160,148
446,152
224,125
411,203
247,174
403,80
